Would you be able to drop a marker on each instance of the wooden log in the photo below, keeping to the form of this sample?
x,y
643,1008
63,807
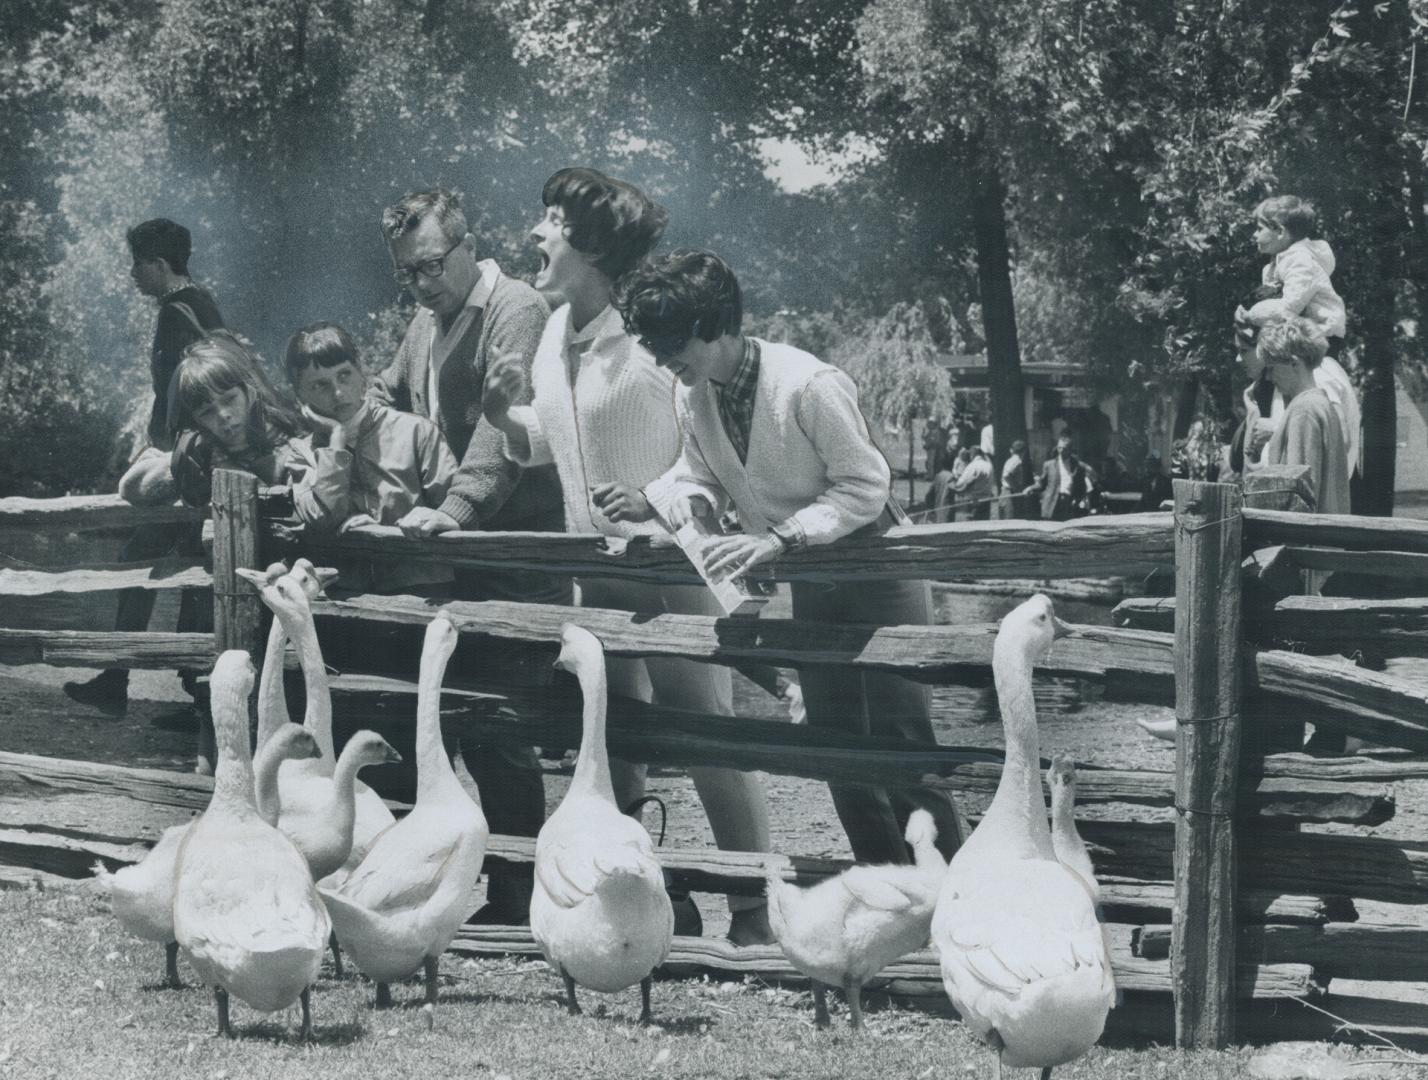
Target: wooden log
x,y
87,513
692,956
1370,704
157,787
106,649
1386,564
1265,528
1384,767
1333,624
1310,624
174,572
1207,760
1155,613
1387,952
65,856
672,737
1274,860
929,653
1104,546
237,609
1130,901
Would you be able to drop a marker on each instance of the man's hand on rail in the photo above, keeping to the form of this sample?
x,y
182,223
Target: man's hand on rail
x,y
738,554
422,521
356,521
621,502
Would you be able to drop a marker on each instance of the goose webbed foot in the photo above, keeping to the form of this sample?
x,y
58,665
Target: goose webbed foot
x,y
572,1006
820,1004
646,984
853,990
431,965
220,998
306,999
171,972
384,996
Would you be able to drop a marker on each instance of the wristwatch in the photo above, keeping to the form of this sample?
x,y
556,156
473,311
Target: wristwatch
x,y
789,534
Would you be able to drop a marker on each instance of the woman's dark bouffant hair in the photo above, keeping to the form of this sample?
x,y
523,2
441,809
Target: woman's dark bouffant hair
x,y
614,221
216,364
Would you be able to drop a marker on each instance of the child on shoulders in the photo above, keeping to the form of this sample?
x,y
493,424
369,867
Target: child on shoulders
x,y
365,463
1299,268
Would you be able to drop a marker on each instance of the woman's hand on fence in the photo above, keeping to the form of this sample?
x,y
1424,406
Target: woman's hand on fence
x,y
356,521
685,509
736,555
621,502
325,425
423,521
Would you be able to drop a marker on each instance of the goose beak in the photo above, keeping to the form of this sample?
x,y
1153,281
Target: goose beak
x,y
326,575
1061,629
255,578
393,757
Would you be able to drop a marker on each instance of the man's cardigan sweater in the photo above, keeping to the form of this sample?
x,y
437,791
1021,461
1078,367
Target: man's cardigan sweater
x,y
489,491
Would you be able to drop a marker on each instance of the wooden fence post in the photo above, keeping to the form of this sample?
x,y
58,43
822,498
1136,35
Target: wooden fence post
x,y
1208,634
236,607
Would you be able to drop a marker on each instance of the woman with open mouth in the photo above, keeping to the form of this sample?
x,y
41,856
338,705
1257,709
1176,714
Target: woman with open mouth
x,y
603,411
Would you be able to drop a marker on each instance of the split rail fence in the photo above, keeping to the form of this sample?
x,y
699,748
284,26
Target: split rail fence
x,y
1217,916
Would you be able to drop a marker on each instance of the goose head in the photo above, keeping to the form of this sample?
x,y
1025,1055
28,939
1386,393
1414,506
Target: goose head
x,y
369,748
285,595
293,742
314,579
1061,778
1030,629
578,649
438,645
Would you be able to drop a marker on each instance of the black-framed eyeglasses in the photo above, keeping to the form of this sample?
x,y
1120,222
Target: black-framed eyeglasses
x,y
427,268
665,345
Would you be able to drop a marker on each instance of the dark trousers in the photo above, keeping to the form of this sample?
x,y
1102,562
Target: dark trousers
x,y
874,703
508,777
136,606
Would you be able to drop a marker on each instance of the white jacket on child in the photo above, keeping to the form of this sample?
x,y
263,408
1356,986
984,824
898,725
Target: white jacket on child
x,y
1303,270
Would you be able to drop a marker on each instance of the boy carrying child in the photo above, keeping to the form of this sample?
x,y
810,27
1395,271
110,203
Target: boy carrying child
x,y
365,464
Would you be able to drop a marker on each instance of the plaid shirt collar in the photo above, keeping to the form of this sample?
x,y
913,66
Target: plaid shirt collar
x,y
736,399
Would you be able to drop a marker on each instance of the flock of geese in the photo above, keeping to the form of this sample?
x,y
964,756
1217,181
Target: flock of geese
x,y
294,855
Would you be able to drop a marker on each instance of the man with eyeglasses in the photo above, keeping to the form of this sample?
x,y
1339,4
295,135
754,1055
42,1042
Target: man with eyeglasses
x,y
471,314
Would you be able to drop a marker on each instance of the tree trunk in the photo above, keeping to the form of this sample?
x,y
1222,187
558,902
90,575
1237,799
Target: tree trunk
x,y
998,312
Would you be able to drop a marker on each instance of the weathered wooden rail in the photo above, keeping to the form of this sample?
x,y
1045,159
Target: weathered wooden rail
x,y
1216,903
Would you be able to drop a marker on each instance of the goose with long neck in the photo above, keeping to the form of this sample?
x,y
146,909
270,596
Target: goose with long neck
x,y
400,908
332,828
272,702
599,909
142,895
246,911
1022,954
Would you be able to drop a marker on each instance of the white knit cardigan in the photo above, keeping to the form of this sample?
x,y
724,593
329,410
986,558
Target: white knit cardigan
x,y
614,421
810,456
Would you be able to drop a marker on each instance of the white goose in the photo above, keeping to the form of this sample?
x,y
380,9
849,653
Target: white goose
x,y
843,931
1023,959
246,911
313,807
599,911
142,895
401,907
1070,848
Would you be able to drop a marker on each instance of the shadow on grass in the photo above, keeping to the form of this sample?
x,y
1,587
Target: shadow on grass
x,y
341,1034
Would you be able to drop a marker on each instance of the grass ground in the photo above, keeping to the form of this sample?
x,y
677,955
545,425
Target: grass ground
x,y
80,999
